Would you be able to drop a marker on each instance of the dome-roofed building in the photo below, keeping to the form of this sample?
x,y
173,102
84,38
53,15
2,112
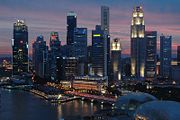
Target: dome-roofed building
x,y
130,102
158,110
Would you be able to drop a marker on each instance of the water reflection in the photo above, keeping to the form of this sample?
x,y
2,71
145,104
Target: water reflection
x,y
21,105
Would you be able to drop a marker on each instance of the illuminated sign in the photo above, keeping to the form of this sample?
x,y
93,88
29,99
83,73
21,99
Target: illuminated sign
x,y
97,35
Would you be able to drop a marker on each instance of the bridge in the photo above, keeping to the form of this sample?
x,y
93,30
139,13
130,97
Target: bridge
x,y
92,98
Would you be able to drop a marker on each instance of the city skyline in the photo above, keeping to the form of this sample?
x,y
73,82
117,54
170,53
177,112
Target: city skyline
x,y
51,16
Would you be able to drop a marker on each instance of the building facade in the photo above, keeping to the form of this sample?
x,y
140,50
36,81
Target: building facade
x,y
105,28
66,68
71,25
165,56
80,44
151,55
99,58
55,46
138,43
40,56
116,59
20,48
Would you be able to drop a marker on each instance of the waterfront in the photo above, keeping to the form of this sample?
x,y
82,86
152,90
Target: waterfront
x,y
22,105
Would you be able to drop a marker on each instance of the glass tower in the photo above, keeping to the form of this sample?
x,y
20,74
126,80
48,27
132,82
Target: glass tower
x,y
55,45
151,55
40,54
20,48
98,52
105,28
165,56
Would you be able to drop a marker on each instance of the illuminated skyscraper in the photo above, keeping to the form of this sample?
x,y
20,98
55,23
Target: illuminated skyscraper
x,y
137,43
151,56
80,44
116,59
20,47
55,45
71,24
165,56
99,59
105,28
80,48
40,54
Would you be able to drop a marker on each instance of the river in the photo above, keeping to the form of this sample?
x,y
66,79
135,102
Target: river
x,y
22,105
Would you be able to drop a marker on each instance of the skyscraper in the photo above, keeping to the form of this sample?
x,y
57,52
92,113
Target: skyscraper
x,y
116,59
80,49
151,55
20,47
66,68
178,55
99,56
105,19
105,28
71,24
80,44
40,55
137,43
165,56
55,45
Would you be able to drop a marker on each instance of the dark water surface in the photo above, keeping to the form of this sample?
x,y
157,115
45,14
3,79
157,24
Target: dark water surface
x,y
21,105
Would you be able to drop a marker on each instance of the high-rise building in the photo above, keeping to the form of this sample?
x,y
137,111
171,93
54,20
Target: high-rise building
x,y
80,44
105,19
71,24
178,55
80,49
105,28
138,43
20,48
55,45
116,59
66,68
40,55
99,56
151,55
165,56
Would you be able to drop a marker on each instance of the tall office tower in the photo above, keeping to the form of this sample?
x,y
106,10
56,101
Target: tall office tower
x,y
178,55
20,48
80,49
105,28
71,24
105,19
40,55
165,56
80,44
116,59
138,43
89,60
99,56
66,68
151,55
55,44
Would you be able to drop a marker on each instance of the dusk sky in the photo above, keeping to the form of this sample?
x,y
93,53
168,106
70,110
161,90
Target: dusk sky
x,y
44,16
